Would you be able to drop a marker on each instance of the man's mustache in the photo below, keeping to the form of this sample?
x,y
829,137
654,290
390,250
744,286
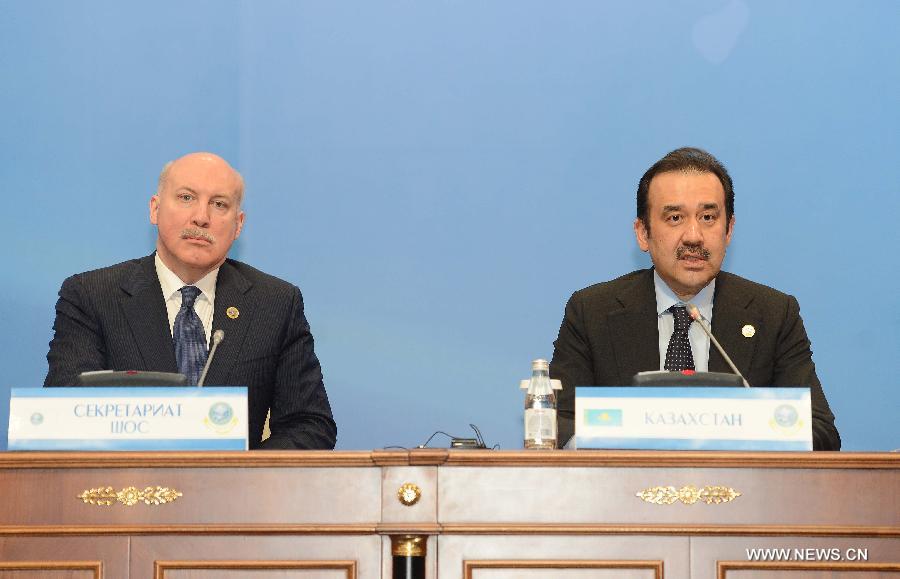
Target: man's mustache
x,y
694,250
196,233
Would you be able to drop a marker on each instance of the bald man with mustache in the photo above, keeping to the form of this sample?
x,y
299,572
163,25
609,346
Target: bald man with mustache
x,y
158,313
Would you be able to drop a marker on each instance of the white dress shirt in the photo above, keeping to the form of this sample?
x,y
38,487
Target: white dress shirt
x,y
171,285
665,299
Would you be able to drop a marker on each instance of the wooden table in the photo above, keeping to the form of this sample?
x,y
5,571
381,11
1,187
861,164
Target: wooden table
x,y
484,514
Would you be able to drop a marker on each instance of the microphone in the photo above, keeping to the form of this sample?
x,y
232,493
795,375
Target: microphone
x,y
217,338
694,312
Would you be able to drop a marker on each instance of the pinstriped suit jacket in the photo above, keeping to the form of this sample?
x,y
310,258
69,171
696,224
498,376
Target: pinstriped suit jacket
x,y
609,333
115,319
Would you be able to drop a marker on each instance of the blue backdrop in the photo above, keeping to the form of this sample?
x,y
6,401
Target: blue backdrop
x,y
439,176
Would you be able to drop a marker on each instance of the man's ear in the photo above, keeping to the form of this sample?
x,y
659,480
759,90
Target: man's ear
x,y
642,235
154,208
730,230
240,225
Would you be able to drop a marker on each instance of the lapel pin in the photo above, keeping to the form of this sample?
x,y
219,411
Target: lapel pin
x,y
748,331
233,313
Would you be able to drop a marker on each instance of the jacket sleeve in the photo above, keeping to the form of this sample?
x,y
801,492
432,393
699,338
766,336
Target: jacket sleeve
x,y
572,364
77,345
793,366
300,412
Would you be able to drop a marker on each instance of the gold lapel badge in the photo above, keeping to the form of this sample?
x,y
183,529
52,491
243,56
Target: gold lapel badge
x,y
748,331
233,313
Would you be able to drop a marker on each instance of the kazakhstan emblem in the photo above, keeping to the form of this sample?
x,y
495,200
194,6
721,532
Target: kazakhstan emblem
x,y
220,418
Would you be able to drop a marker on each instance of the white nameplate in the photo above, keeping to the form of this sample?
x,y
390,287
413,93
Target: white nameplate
x,y
128,418
693,418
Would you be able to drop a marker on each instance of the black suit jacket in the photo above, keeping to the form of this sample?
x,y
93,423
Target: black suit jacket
x,y
115,319
610,333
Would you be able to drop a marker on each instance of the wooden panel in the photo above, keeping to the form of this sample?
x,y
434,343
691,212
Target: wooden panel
x,y
792,497
215,573
492,557
41,572
300,556
255,570
320,495
563,569
710,556
64,556
744,570
51,570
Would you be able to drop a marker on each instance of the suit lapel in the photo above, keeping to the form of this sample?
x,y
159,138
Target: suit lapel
x,y
635,332
732,311
233,313
145,310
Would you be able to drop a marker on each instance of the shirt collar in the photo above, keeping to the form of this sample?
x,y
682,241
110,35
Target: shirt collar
x,y
171,283
666,298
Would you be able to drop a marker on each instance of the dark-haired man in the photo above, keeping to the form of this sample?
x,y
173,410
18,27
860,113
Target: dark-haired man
x,y
158,312
613,330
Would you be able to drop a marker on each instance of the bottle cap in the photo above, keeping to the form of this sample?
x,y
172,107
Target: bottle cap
x,y
540,364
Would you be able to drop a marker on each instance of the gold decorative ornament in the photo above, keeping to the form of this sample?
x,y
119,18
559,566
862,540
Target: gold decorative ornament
x,y
748,331
711,495
130,496
409,494
408,545
232,312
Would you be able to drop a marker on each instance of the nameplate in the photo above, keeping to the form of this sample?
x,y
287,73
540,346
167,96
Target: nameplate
x,y
693,418
128,418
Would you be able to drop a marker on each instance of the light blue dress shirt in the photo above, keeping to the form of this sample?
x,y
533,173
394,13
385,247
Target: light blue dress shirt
x,y
665,299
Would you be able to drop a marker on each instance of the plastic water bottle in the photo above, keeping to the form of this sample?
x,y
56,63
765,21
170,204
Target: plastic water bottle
x,y
540,408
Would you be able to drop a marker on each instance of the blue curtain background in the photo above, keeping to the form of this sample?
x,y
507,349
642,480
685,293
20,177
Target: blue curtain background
x,y
439,176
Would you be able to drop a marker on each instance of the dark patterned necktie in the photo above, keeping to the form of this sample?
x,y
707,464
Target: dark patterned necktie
x,y
679,356
189,337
